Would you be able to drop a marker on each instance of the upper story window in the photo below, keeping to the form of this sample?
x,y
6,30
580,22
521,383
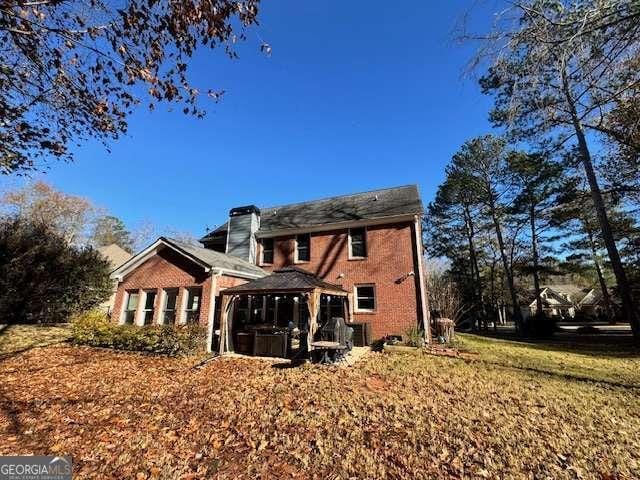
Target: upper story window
x,y
267,251
192,311
303,247
131,307
365,298
358,242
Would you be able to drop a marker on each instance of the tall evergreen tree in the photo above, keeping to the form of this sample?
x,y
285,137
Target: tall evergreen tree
x,y
537,184
107,230
451,231
482,163
554,80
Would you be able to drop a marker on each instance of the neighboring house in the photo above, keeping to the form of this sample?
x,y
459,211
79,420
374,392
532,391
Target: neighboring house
x,y
361,253
566,301
116,256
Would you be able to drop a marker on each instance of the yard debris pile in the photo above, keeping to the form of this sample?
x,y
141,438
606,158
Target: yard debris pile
x,y
122,415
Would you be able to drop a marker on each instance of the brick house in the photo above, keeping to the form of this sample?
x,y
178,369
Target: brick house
x,y
368,245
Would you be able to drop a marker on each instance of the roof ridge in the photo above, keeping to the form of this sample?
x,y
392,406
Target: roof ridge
x,y
340,196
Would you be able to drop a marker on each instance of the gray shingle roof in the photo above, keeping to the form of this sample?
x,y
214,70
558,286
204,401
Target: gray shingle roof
x,y
286,279
370,205
215,259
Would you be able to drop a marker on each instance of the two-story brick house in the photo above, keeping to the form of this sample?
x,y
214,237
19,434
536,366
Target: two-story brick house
x,y
367,244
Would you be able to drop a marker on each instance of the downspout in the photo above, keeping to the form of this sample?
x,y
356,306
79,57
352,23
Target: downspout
x,y
212,308
426,320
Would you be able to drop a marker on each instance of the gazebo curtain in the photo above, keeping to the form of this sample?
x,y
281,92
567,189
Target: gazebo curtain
x,y
313,305
225,330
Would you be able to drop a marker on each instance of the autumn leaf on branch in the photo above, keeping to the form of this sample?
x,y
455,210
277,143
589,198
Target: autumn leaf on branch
x,y
73,70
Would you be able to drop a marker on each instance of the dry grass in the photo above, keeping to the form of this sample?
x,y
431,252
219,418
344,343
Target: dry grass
x,y
393,416
604,362
16,338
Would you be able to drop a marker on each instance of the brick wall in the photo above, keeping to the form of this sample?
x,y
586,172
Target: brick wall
x,y
389,258
168,269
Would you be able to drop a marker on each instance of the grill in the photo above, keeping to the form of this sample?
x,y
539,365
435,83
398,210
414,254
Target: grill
x,y
335,330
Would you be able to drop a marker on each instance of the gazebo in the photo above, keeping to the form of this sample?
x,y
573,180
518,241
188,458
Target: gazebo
x,y
257,317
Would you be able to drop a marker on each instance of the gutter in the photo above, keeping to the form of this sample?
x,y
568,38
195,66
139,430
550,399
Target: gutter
x,y
426,320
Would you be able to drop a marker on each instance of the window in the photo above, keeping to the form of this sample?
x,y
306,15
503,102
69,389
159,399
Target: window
x,y
169,309
365,298
149,307
131,308
267,251
303,248
192,312
357,242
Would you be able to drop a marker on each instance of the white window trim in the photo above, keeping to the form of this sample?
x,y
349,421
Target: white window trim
x,y
181,306
123,315
185,302
164,305
355,298
295,259
143,304
366,244
261,256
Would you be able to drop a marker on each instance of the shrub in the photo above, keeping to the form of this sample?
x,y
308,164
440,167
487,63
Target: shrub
x,y
414,337
540,326
95,329
44,279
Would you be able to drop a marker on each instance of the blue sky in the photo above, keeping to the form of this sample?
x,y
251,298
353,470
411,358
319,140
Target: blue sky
x,y
355,96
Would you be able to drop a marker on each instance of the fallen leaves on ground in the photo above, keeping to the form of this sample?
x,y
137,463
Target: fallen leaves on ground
x,y
123,415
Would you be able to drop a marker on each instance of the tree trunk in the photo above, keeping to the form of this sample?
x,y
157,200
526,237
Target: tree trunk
x,y
475,270
534,255
517,315
628,306
603,284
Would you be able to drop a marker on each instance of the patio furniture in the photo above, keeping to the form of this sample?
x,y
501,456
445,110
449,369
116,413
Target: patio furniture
x,y
336,340
273,344
326,352
336,330
286,282
245,343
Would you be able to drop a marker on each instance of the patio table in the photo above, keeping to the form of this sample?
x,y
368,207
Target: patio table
x,y
325,347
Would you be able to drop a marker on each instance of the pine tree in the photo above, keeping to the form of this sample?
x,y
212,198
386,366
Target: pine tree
x,y
537,183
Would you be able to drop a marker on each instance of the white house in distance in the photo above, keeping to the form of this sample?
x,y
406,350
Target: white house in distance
x,y
566,301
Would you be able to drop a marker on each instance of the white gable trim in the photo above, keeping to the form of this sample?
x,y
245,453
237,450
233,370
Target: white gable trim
x,y
542,292
137,260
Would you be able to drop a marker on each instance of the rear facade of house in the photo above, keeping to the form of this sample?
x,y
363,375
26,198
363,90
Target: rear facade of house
x,y
368,244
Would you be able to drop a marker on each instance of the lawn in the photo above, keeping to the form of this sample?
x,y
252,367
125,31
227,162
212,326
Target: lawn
x,y
517,411
17,338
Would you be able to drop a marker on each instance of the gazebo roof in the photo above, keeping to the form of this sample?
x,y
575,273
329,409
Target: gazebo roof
x,y
289,279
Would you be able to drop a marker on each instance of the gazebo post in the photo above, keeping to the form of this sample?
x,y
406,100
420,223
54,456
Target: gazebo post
x,y
313,304
347,308
225,304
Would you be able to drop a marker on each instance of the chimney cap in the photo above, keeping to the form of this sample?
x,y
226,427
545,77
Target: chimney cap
x,y
246,210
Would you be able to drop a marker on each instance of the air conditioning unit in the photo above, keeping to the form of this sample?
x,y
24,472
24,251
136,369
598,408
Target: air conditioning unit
x,y
360,334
